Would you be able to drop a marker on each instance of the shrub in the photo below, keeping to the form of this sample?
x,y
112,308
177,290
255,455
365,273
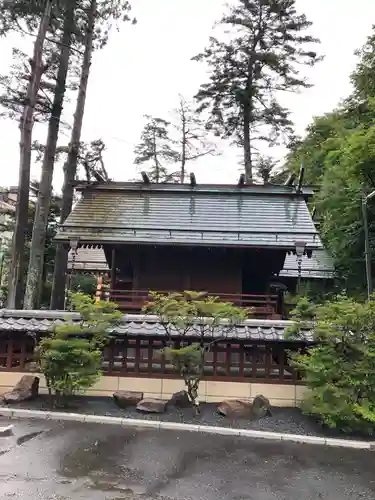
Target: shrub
x,y
70,358
193,315
340,369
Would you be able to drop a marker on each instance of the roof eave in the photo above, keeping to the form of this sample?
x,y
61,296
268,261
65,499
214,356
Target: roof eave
x,y
235,189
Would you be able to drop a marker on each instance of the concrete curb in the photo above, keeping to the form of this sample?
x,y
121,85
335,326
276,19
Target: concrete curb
x,y
175,426
6,431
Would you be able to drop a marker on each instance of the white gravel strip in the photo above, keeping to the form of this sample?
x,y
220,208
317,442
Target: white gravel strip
x,y
175,426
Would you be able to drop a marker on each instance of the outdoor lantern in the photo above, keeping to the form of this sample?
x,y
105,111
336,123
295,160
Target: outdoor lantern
x,y
300,248
74,245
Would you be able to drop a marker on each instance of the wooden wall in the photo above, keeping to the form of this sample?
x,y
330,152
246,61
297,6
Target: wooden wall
x,y
184,269
215,270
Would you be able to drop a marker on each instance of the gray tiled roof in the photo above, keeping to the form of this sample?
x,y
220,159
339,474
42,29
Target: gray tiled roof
x,y
180,214
88,259
319,265
137,324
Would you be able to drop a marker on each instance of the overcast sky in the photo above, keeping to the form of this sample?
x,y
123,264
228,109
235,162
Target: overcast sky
x,y
144,68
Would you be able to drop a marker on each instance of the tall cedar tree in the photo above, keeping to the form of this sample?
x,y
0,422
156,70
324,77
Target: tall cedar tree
x,y
22,16
36,261
26,128
95,35
256,60
156,150
192,136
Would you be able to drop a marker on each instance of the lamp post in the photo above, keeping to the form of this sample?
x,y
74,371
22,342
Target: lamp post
x,y
365,199
300,250
73,246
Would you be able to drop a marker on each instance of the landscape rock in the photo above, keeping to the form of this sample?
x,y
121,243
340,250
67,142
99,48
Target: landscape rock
x,y
27,388
150,405
180,399
261,406
238,408
124,399
235,408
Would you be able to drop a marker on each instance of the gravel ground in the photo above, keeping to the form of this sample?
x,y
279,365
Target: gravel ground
x,y
285,420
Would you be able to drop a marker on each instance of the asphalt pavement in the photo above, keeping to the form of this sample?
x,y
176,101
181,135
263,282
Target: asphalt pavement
x,y
71,461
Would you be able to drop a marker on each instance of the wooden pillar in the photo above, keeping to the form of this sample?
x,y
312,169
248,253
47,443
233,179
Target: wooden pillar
x,y
135,261
113,268
99,288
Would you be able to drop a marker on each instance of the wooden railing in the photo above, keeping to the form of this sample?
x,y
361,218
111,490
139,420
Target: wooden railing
x,y
263,306
142,356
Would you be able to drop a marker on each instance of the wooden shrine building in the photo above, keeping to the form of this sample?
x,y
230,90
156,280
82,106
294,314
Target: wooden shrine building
x,y
227,240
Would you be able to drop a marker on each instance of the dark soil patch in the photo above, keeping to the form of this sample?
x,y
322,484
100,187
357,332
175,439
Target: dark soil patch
x,y
284,420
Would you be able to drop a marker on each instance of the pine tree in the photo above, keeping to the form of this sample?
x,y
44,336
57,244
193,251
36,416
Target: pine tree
x,y
192,137
259,58
13,86
156,150
264,167
26,128
100,16
36,262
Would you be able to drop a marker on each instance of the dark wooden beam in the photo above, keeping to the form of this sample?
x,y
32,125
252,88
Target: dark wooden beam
x,y
291,178
98,176
300,178
145,178
241,180
193,180
113,268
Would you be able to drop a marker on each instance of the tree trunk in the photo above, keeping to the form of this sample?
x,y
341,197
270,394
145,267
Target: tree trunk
x,y
183,155
247,150
156,160
35,270
70,167
16,278
183,144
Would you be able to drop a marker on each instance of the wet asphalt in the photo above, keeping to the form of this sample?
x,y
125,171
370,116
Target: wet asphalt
x,y
71,461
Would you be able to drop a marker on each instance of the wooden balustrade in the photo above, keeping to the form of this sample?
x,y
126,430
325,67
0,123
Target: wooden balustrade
x,y
263,306
142,356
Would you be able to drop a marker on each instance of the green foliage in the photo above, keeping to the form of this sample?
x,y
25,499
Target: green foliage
x,y
363,78
197,315
49,254
340,370
156,150
70,358
70,365
303,315
189,363
338,152
84,283
261,58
